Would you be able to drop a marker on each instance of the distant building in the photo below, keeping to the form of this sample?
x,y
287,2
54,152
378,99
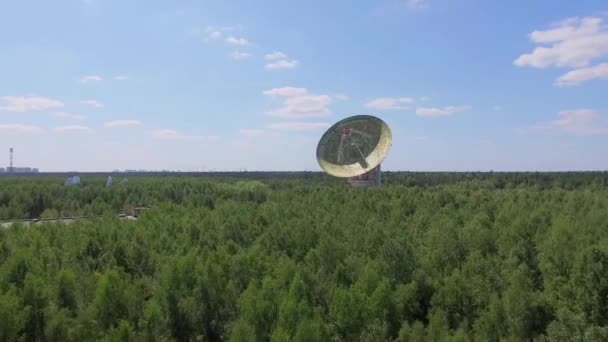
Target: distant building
x,y
22,170
1,170
136,212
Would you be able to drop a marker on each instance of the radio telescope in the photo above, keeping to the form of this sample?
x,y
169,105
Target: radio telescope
x,y
353,148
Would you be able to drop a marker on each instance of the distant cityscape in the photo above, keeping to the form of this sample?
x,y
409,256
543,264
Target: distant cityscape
x,y
19,170
14,169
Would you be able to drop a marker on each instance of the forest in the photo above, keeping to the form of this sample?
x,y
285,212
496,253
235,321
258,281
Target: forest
x,y
302,257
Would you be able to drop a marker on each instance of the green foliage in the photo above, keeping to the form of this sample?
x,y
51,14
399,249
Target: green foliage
x,y
299,257
109,305
12,316
66,291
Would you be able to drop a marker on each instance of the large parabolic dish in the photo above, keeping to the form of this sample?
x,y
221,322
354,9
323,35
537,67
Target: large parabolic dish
x,y
354,146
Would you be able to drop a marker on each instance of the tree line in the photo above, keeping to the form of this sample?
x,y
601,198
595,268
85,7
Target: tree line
x,y
427,257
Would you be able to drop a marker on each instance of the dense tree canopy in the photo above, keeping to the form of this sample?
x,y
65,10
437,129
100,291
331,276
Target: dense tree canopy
x,y
429,256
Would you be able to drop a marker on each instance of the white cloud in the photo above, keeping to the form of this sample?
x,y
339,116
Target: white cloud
x,y
121,77
64,115
18,129
286,91
282,64
169,134
73,128
91,79
425,99
123,123
21,104
387,103
304,106
437,112
572,43
275,55
577,122
215,33
237,41
278,60
92,103
299,126
240,55
299,103
497,108
579,76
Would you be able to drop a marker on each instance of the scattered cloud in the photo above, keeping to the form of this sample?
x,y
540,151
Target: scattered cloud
x,y
278,60
121,78
282,64
577,122
215,35
123,123
18,129
91,79
579,76
582,121
169,134
286,91
389,103
224,33
275,55
21,104
256,133
304,106
237,41
92,103
340,97
438,112
572,43
73,128
240,55
299,103
417,4
64,115
299,126
497,108
425,99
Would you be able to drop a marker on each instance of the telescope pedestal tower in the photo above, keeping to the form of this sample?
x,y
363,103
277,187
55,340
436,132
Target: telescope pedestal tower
x,y
354,148
371,179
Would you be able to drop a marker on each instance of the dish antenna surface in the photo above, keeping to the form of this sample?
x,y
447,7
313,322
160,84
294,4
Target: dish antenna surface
x,y
72,181
354,148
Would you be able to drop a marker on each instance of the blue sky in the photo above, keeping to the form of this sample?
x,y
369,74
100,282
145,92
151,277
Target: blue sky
x,y
98,85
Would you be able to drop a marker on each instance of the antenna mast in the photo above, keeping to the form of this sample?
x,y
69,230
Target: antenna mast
x,y
10,168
